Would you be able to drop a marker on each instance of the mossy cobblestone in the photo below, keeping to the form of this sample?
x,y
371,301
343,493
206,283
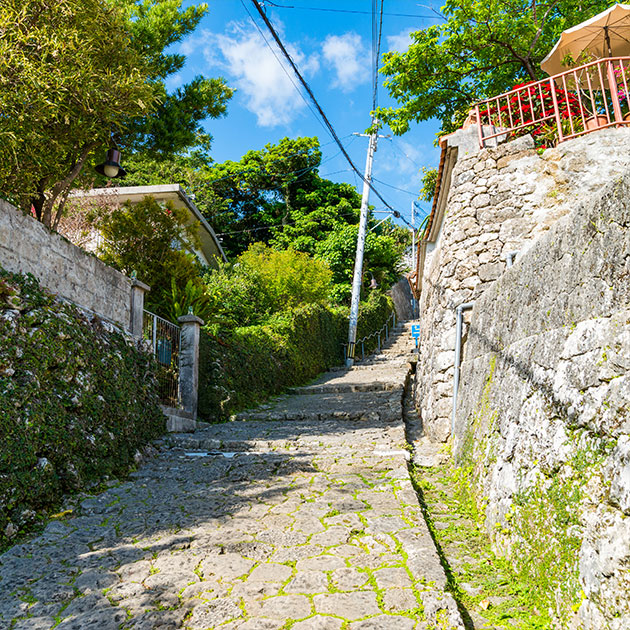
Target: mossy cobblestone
x,y
265,524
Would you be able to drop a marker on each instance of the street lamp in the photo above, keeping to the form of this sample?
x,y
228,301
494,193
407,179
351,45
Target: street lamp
x,y
111,166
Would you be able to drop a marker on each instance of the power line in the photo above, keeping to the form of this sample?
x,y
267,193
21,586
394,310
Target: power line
x,y
380,181
282,6
377,31
282,225
328,124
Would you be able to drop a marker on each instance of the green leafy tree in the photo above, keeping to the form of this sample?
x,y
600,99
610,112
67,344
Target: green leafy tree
x,y
263,282
381,259
250,200
175,125
69,74
429,182
482,49
276,196
74,73
155,242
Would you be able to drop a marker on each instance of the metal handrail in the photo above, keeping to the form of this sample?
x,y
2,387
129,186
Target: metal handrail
x,y
376,333
575,102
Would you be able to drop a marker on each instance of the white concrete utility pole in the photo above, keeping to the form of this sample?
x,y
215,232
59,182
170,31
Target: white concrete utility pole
x,y
413,235
358,261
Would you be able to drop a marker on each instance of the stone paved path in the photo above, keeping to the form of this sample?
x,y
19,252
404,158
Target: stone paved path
x,y
299,515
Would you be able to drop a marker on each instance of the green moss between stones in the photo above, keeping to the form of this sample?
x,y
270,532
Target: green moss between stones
x,y
542,529
76,402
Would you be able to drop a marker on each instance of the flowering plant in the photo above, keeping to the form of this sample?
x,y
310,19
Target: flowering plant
x,y
529,108
622,77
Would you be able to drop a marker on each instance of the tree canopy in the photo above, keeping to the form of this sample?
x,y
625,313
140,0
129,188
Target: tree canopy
x,y
481,49
276,196
75,74
68,75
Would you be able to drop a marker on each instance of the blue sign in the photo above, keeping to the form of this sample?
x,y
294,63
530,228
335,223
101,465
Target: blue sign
x,y
415,331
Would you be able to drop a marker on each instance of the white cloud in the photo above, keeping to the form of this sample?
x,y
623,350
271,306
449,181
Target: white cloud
x,y
259,75
348,57
174,81
401,42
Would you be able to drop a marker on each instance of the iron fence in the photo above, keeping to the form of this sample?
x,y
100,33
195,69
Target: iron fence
x,y
164,338
570,104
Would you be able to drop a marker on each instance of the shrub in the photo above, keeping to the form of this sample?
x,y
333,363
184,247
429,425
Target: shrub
x,y
263,282
156,242
76,401
255,362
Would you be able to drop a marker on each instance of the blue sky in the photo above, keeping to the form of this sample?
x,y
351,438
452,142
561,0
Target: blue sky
x,y
333,51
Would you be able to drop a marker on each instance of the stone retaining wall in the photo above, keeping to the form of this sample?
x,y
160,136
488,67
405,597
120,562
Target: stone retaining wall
x,y
27,246
501,200
543,412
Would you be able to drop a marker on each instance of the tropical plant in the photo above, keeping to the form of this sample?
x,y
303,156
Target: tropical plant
x,y
264,281
480,49
69,76
156,242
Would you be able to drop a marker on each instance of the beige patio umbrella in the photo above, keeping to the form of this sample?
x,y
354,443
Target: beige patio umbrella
x,y
605,35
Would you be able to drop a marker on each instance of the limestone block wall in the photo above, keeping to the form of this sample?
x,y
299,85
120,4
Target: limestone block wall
x,y
501,200
26,246
544,407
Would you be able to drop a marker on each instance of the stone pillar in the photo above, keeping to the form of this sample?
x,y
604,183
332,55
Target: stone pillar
x,y
138,289
189,362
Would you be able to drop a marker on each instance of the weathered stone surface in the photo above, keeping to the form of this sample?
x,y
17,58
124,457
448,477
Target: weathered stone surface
x,y
26,246
545,390
247,526
515,196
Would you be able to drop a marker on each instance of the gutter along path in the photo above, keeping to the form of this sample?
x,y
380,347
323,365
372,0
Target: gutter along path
x,y
298,515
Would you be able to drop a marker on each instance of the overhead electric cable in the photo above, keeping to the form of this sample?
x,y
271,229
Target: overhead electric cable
x,y
377,32
283,6
328,124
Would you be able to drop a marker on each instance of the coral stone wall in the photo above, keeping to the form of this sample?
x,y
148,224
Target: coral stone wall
x,y
543,417
500,201
27,246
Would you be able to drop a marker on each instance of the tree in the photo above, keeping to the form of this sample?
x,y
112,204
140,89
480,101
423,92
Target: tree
x,y
381,259
175,124
276,196
68,76
263,282
250,199
75,74
482,49
156,243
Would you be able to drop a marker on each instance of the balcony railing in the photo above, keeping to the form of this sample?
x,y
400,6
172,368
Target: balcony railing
x,y
567,105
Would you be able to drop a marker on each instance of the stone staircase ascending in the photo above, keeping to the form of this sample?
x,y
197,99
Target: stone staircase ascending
x,y
344,434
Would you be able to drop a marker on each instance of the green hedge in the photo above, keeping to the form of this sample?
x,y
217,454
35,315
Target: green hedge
x,y
76,401
256,362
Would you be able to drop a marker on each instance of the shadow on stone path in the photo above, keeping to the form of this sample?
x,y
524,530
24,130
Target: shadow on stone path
x,y
299,515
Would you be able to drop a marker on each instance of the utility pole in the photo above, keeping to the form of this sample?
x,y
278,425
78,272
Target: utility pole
x,y
358,261
413,235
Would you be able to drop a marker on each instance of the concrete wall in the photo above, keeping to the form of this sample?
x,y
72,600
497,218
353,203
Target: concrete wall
x,y
402,296
26,246
544,402
501,200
